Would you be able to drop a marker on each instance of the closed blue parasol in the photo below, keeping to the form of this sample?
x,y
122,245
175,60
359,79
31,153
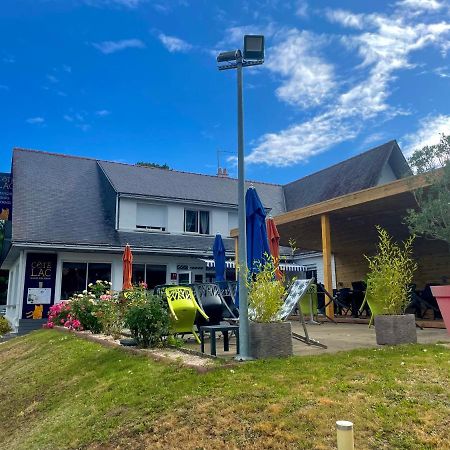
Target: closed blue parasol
x,y
219,257
257,244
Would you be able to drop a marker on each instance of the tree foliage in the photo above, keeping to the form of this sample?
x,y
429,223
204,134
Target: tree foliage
x,y
432,218
153,165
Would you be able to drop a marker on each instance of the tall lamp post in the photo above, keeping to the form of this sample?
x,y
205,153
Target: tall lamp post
x,y
253,55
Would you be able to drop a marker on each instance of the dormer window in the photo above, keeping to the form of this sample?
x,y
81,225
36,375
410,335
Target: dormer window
x,y
196,221
151,217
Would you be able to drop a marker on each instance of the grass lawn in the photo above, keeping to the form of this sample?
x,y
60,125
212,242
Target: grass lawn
x,y
58,391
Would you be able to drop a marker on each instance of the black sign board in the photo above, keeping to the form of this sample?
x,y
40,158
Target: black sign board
x,y
5,196
39,288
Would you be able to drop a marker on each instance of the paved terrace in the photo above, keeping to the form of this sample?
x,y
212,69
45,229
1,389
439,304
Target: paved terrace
x,y
338,337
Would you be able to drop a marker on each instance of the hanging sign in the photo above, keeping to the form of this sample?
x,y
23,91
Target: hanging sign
x,y
39,287
5,196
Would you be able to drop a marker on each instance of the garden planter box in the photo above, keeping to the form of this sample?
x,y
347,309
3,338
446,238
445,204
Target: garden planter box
x,y
442,294
270,340
395,329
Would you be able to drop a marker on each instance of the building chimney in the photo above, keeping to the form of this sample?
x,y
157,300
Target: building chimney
x,y
222,173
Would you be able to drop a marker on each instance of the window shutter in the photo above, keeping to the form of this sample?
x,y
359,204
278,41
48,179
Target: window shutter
x,y
153,216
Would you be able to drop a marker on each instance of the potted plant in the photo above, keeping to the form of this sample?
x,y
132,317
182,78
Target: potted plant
x,y
432,219
388,283
268,336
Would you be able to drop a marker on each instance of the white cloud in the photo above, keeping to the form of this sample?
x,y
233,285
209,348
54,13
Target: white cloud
x,y
432,5
3,87
442,72
302,8
308,79
299,142
428,133
67,68
36,120
174,44
102,113
384,47
108,47
345,18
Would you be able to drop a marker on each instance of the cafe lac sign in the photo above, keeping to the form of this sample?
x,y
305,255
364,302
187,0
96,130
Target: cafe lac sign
x,y
5,196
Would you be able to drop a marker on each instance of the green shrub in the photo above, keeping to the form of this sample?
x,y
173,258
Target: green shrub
x,y
391,273
5,327
85,309
110,314
265,292
147,318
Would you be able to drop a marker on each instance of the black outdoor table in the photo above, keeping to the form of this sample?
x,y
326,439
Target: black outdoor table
x,y
224,328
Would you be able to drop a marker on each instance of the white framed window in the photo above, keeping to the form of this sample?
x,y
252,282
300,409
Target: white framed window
x,y
196,221
77,275
151,217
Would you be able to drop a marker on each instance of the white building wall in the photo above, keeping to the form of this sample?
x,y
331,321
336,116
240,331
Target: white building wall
x,y
387,175
14,297
219,222
219,217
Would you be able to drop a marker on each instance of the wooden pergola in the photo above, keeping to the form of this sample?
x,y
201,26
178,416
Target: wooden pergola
x,y
345,227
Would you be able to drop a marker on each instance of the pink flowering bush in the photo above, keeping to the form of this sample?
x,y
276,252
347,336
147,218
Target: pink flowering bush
x,y
62,314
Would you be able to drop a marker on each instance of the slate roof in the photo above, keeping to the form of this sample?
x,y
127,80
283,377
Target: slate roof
x,y
352,175
65,200
160,183
60,199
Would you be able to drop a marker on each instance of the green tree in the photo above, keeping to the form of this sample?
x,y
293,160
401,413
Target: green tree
x,y
432,218
154,165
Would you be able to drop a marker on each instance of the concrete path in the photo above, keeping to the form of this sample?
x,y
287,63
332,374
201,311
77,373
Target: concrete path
x,y
338,337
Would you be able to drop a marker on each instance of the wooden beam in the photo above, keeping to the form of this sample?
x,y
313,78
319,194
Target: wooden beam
x,y
326,250
344,201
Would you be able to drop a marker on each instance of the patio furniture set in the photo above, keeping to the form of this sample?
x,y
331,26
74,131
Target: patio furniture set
x,y
209,308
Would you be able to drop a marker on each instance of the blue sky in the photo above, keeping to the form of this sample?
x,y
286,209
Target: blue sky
x,y
132,80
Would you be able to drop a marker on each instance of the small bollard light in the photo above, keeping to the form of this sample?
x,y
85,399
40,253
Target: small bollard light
x,y
344,431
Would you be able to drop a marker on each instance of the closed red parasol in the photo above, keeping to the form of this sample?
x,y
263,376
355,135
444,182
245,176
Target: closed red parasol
x,y
127,259
274,244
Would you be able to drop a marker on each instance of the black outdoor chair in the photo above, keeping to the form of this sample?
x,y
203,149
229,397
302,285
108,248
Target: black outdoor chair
x,y
357,299
344,297
424,301
210,299
228,292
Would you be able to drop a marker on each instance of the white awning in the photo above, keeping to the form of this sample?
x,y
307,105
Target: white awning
x,y
210,264
285,267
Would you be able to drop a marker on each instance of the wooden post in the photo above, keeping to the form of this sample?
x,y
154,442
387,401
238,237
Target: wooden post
x,y
326,250
236,256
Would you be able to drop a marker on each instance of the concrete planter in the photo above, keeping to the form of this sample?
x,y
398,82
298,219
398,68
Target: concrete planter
x,y
442,294
395,329
270,340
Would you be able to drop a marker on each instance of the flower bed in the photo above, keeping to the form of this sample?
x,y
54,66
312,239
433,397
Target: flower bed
x,y
101,310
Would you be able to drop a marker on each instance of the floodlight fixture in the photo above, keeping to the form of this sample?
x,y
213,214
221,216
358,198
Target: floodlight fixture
x,y
226,56
254,47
